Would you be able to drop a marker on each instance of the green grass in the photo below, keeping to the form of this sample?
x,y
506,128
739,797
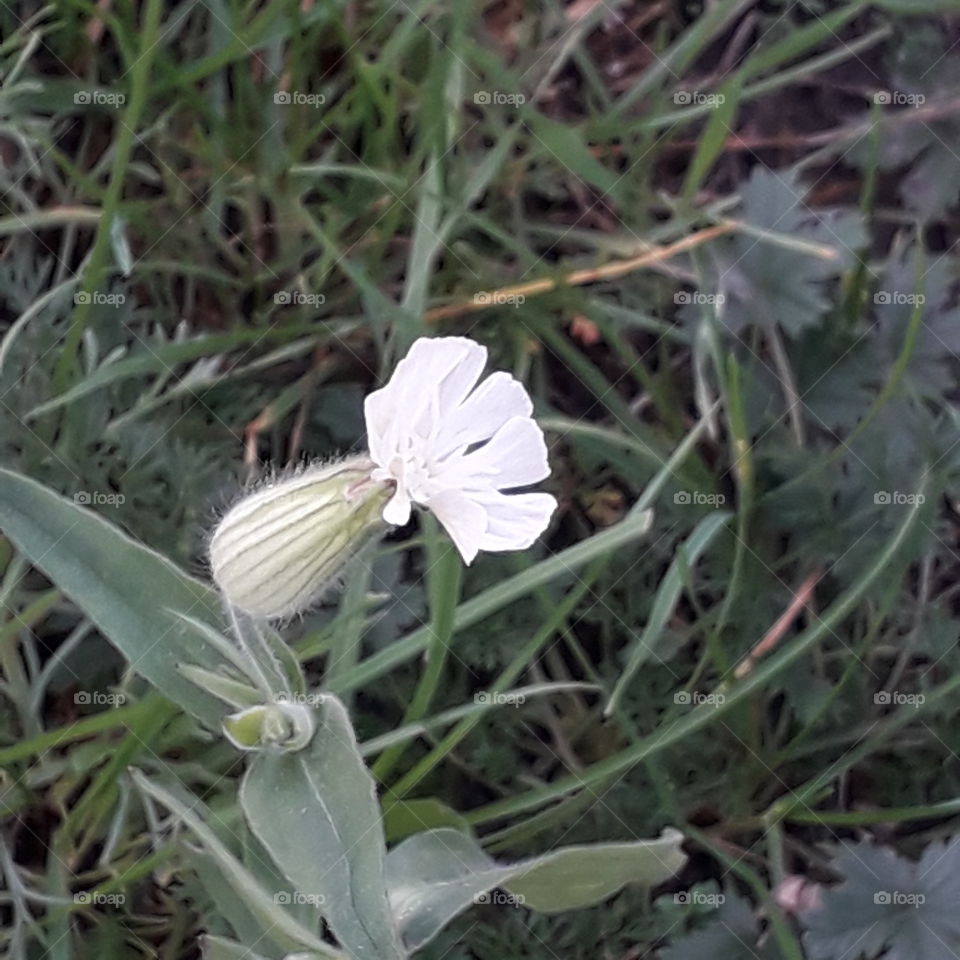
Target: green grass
x,y
752,388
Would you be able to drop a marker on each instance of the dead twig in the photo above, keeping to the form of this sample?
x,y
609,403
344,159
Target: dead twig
x,y
579,278
776,633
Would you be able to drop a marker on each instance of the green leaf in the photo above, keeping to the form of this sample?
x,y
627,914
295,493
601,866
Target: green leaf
x,y
577,877
160,358
316,812
731,935
712,141
129,591
403,818
886,904
774,270
923,75
564,144
433,877
121,245
908,285
219,948
437,874
234,692
264,907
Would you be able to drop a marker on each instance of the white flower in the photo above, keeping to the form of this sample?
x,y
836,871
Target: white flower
x,y
437,439
424,428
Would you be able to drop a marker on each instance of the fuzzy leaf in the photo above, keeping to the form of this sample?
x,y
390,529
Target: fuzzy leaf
x,y
317,814
435,875
267,910
219,948
126,589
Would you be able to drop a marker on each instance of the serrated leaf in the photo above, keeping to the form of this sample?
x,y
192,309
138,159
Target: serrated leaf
x,y
904,286
923,76
317,814
887,904
764,280
436,875
731,934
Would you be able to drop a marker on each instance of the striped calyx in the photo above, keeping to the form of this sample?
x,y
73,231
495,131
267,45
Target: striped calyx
x,y
278,549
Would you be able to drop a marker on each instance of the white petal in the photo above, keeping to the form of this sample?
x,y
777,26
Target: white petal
x,y
397,511
463,518
435,375
515,456
461,377
514,521
498,399
423,422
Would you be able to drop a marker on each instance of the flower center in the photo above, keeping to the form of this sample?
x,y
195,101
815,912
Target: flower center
x,y
413,472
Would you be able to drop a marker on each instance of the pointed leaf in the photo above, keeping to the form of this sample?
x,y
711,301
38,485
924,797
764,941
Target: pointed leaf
x,y
580,876
126,589
265,909
435,875
316,811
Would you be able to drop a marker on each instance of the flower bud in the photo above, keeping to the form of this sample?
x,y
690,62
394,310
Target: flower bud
x,y
278,726
277,550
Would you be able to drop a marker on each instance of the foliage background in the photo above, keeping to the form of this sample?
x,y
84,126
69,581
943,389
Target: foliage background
x,y
222,223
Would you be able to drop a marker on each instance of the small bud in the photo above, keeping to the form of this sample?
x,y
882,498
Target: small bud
x,y
277,550
279,726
